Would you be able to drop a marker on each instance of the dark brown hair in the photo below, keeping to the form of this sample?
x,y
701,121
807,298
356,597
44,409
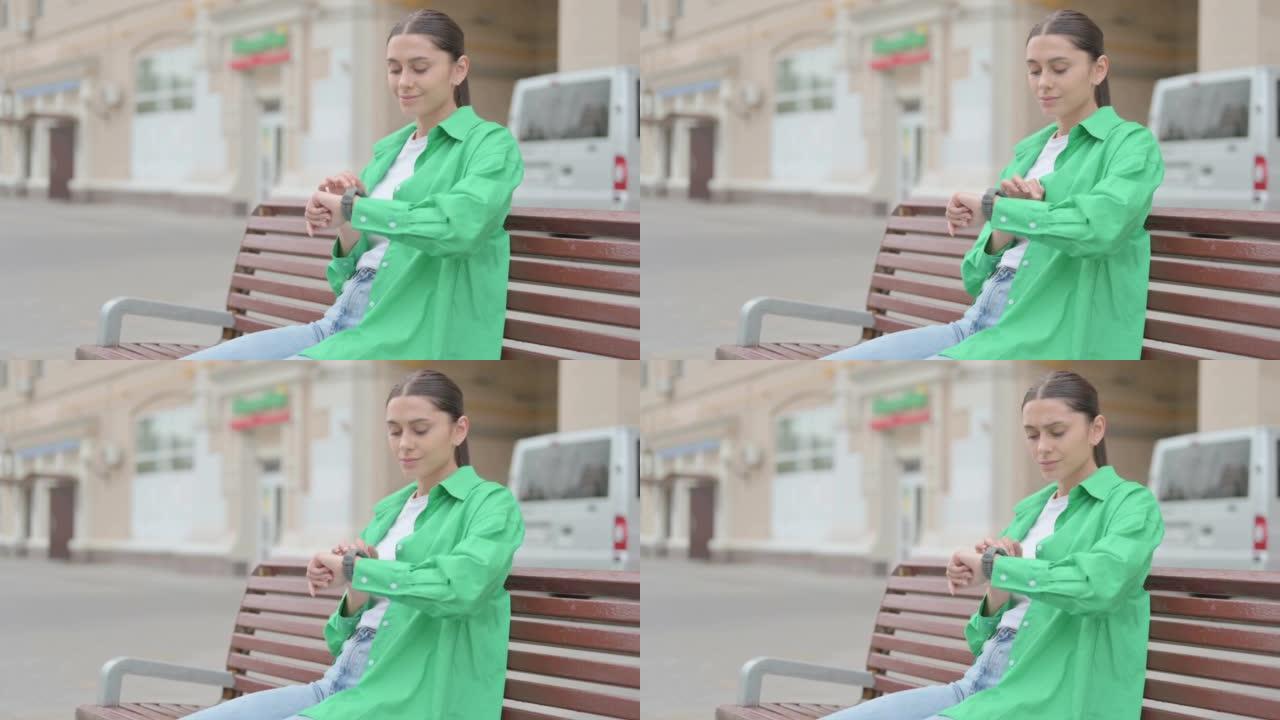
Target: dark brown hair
x,y
1078,395
443,393
1085,35
446,35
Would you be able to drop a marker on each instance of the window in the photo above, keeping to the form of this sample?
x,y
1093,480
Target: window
x,y
165,441
166,82
805,441
4,14
644,13
679,8
568,111
1205,471
39,8
1207,111
805,81
565,471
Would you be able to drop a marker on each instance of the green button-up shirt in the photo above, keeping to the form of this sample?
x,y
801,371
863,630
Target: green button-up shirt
x,y
441,290
1081,652
1080,292
441,651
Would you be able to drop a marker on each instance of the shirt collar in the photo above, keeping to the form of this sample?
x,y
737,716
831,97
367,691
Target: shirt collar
x,y
1099,124
1101,482
461,482
455,126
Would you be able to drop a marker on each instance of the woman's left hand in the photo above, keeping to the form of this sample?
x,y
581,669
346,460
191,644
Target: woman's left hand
x,y
333,563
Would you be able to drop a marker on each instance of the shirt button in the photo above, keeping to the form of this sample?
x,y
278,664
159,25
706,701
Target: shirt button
x,y
1003,577
384,264
400,546
1025,263
1011,663
385,623
364,218
1031,583
1031,225
1024,623
1010,301
364,580
394,586
372,303
371,663
1004,218
391,224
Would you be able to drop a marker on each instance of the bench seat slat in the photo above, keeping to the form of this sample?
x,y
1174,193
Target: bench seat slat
x,y
587,701
574,668
571,338
574,308
251,283
582,277
582,638
623,252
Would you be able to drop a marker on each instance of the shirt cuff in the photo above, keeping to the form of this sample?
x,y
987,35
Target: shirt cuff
x,y
378,216
343,623
377,577
1019,216
984,624
1020,575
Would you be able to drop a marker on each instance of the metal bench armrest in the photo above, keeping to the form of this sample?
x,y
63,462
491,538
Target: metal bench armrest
x,y
116,669
755,310
755,670
115,310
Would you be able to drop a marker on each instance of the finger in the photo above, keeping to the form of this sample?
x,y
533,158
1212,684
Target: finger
x,y
951,229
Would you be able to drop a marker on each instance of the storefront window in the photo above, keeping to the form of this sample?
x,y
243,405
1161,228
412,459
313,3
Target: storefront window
x,y
805,441
165,441
166,81
805,81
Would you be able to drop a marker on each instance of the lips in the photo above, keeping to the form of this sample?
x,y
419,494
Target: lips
x,y
1048,99
409,98
408,461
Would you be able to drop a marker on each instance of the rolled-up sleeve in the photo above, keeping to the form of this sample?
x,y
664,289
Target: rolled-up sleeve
x,y
452,584
1090,582
1098,222
457,221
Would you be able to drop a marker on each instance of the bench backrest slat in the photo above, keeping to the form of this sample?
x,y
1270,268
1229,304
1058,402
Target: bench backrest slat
x,y
575,279
1215,279
575,639
1212,653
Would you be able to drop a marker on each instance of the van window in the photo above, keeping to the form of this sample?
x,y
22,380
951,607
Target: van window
x,y
567,111
1205,471
1206,111
565,471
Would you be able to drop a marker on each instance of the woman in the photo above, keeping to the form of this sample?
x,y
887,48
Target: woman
x,y
1062,631
420,264
1060,268
422,629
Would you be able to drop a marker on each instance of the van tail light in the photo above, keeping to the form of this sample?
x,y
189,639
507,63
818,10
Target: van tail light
x,y
619,533
1259,172
1259,532
619,173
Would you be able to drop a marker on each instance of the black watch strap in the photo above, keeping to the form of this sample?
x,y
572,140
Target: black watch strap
x,y
349,563
989,559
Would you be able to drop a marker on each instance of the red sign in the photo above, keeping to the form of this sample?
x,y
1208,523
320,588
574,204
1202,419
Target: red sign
x,y
267,418
900,59
907,418
274,57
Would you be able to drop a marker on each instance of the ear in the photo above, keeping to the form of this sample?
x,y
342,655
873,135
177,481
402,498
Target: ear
x,y
1097,430
460,430
1101,69
460,70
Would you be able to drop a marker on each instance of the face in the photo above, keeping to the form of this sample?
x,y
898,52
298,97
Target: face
x,y
421,75
1060,439
422,437
1062,76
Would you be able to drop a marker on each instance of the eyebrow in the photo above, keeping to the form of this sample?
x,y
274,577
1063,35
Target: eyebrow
x,y
1053,60
415,420
416,59
1052,424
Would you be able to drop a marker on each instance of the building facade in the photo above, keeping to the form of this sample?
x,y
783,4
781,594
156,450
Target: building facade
x,y
216,466
218,104
861,465
855,105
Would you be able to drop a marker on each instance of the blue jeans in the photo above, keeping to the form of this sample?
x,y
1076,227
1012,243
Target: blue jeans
x,y
284,343
925,703
924,343
285,703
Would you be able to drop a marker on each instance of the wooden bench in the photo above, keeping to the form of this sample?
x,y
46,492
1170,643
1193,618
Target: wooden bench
x,y
1206,625
278,639
1215,282
574,292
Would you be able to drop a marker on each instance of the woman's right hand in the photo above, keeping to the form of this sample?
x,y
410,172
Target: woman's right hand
x,y
1010,545
339,183
342,548
1016,187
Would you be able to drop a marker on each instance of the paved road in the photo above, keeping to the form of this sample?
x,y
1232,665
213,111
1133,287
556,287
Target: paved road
x,y
64,260
61,622
701,622
702,261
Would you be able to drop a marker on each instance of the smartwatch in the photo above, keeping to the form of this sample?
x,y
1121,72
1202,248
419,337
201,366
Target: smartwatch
x,y
989,201
989,559
349,562
349,199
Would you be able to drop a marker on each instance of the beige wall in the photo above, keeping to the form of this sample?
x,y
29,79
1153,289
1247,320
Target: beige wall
x,y
1238,33
598,33
1239,393
598,393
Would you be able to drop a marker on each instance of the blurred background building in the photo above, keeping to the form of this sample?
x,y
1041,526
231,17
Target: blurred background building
x,y
861,465
214,466
856,104
218,103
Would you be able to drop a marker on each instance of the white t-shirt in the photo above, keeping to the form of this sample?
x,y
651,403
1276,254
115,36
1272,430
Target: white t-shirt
x,y
402,528
1038,532
400,171
1044,165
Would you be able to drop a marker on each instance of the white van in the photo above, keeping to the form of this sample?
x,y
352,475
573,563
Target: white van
x,y
579,133
1217,492
579,493
1218,132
